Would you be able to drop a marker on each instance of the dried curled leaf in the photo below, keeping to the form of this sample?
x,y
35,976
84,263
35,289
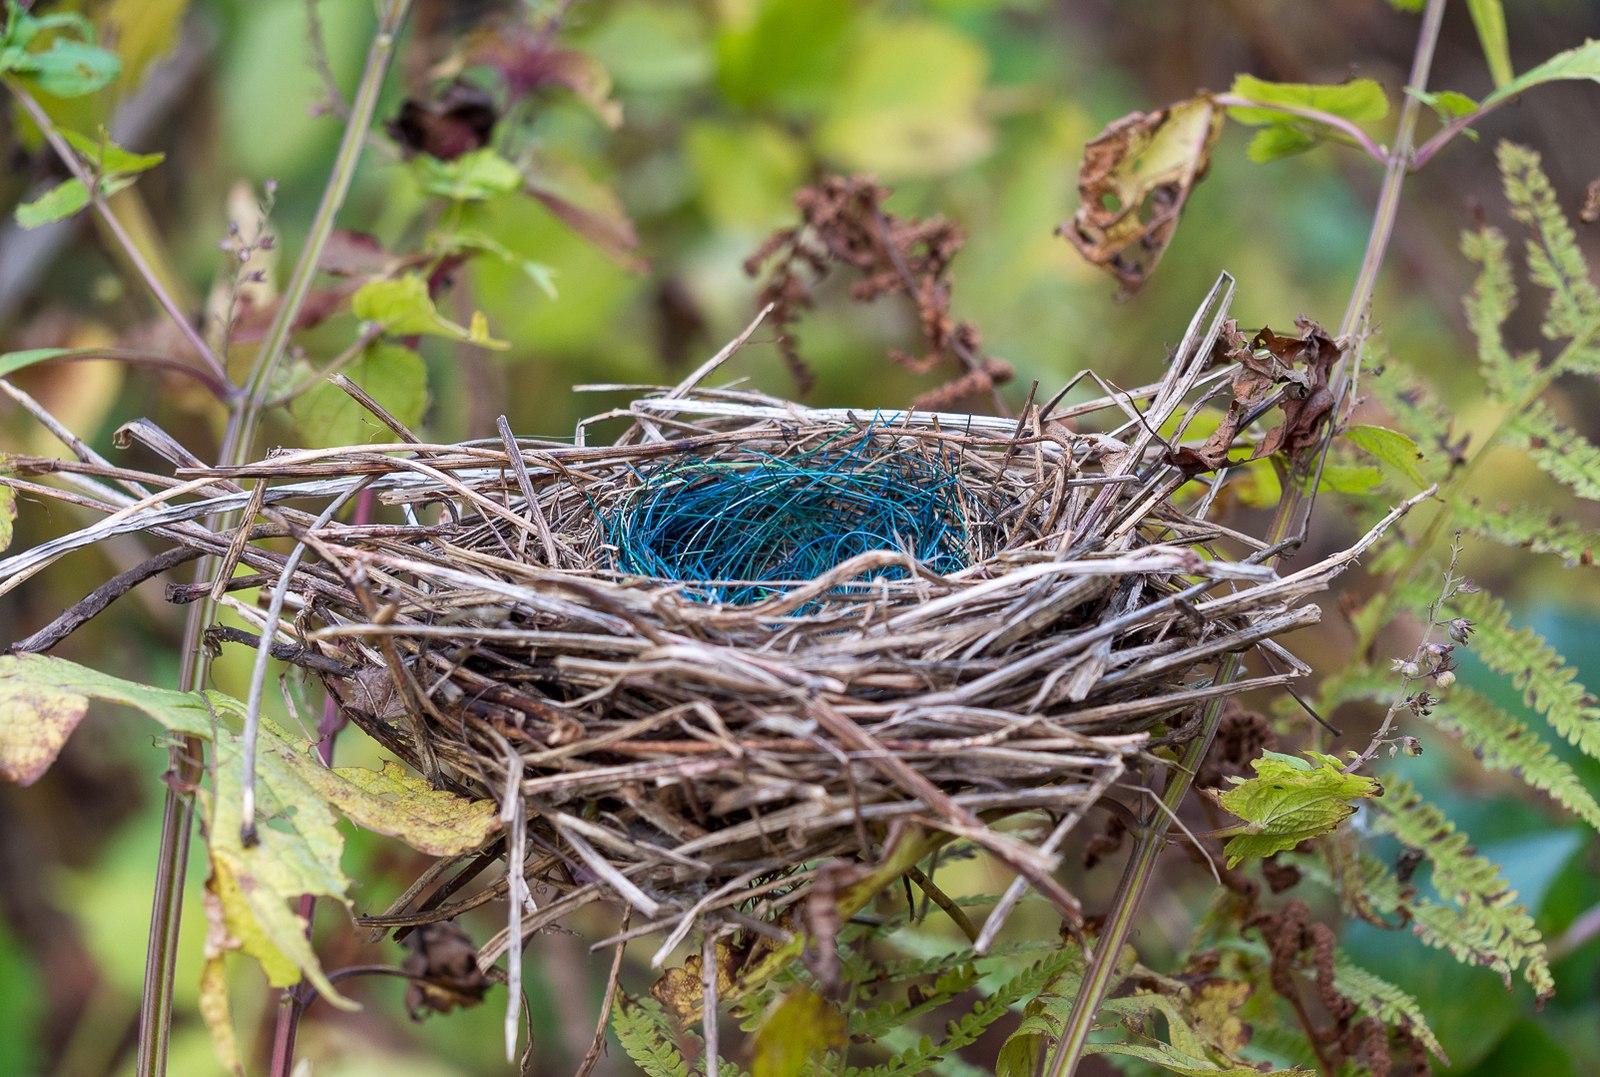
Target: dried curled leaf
x,y
445,964
1290,373
1134,179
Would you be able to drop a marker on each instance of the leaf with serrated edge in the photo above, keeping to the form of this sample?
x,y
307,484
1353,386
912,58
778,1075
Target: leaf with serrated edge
x,y
1391,448
1289,801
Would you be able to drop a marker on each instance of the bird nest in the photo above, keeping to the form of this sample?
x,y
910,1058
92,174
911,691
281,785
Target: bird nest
x,y
745,638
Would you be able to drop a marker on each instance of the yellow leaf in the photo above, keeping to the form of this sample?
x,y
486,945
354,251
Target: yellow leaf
x,y
798,1029
35,721
401,805
214,1007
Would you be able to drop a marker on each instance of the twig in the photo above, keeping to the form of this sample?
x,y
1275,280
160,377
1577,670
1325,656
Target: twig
x,y
613,979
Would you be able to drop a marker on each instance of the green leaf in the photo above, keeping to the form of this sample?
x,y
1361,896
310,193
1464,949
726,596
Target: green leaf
x,y
58,203
65,199
1359,100
1289,800
404,308
253,890
1582,62
801,1027
36,716
1489,19
1280,140
68,68
396,377
472,177
1174,1061
1397,453
542,276
106,157
1350,478
1448,104
11,362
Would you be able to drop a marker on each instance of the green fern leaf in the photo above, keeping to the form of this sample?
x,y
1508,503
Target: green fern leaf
x,y
1488,305
1563,454
1381,999
925,1054
1503,743
874,1022
1486,925
1554,260
1548,684
647,1035
1530,527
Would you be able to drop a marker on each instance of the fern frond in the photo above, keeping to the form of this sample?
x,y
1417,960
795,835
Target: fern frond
x,y
1548,684
1501,742
1488,305
875,1021
925,1054
1560,452
646,1034
1374,995
1530,527
1486,926
1554,260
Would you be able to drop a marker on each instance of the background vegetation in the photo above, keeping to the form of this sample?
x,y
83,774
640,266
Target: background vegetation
x,y
675,150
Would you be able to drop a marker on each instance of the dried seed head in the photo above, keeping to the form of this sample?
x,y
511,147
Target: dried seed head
x,y
1460,629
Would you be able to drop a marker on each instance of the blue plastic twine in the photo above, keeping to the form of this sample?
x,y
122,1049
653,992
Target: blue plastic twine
x,y
742,529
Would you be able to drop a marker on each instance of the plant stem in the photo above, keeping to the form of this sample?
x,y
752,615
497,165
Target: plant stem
x,y
155,1014
1152,837
130,250
362,108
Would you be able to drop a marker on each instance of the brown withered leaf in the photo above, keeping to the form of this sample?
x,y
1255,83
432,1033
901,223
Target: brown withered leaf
x,y
682,990
1134,179
446,964
1309,400
1591,203
458,121
1296,371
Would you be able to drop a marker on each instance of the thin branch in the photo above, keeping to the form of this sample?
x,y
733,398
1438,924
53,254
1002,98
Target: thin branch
x,y
218,370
